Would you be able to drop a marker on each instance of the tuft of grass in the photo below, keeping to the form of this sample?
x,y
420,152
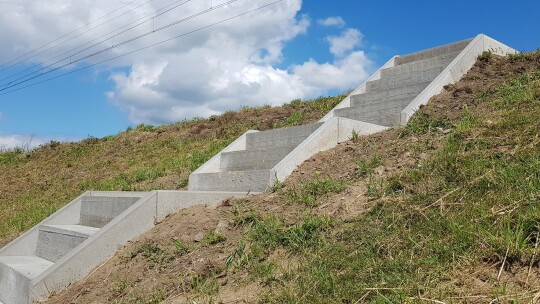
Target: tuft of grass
x,y
307,193
213,238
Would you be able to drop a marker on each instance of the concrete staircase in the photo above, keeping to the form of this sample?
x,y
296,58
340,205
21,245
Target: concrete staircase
x,y
399,85
66,246
387,99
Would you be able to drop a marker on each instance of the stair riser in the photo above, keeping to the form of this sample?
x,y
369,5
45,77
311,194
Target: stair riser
x,y
386,119
446,49
53,246
401,80
373,97
279,138
402,100
252,160
99,211
419,66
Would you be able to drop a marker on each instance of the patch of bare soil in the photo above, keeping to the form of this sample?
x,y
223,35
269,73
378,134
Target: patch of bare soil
x,y
141,269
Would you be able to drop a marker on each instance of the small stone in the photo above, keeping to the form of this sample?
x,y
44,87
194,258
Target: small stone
x,y
198,237
446,131
221,226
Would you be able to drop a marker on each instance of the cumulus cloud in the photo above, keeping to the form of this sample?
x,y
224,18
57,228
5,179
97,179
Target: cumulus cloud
x,y
332,21
344,43
206,73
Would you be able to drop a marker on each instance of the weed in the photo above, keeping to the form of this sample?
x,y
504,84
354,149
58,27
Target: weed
x,y
308,193
213,238
238,258
485,56
354,136
365,167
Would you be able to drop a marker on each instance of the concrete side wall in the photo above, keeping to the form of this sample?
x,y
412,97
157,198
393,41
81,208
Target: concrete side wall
x,y
346,102
334,131
455,70
212,165
171,201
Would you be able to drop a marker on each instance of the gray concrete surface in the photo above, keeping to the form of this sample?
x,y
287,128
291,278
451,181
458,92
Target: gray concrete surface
x,y
421,65
247,181
55,241
97,211
253,159
291,136
432,52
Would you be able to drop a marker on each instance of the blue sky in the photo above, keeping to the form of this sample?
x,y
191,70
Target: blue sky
x,y
207,73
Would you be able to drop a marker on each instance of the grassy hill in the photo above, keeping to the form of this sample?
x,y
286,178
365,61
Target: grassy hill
x,y
443,210
35,184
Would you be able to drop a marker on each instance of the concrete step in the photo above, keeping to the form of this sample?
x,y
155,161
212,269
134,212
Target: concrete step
x,y
388,118
55,241
16,275
396,81
291,136
433,52
391,104
253,159
380,96
98,211
237,181
440,61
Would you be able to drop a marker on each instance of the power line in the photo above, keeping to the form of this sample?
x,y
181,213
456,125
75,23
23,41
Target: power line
x,y
166,9
144,48
65,35
22,79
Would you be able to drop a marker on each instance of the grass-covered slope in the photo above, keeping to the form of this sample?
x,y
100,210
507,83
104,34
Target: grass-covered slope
x,y
444,210
35,184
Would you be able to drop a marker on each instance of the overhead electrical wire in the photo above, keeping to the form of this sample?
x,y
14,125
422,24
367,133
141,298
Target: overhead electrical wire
x,y
4,67
110,35
143,48
22,79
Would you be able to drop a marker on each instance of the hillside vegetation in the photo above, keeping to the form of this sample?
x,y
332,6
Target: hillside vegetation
x,y
34,184
444,210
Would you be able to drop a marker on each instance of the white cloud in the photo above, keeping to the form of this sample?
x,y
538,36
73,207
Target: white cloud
x,y
343,74
206,73
25,142
332,21
344,43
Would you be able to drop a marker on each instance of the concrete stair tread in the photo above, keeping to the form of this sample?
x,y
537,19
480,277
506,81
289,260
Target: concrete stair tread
x,y
29,266
75,230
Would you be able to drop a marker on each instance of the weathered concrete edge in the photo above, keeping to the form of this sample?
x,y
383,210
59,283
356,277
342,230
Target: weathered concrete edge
x,y
169,202
332,132
455,70
136,220
346,102
212,165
